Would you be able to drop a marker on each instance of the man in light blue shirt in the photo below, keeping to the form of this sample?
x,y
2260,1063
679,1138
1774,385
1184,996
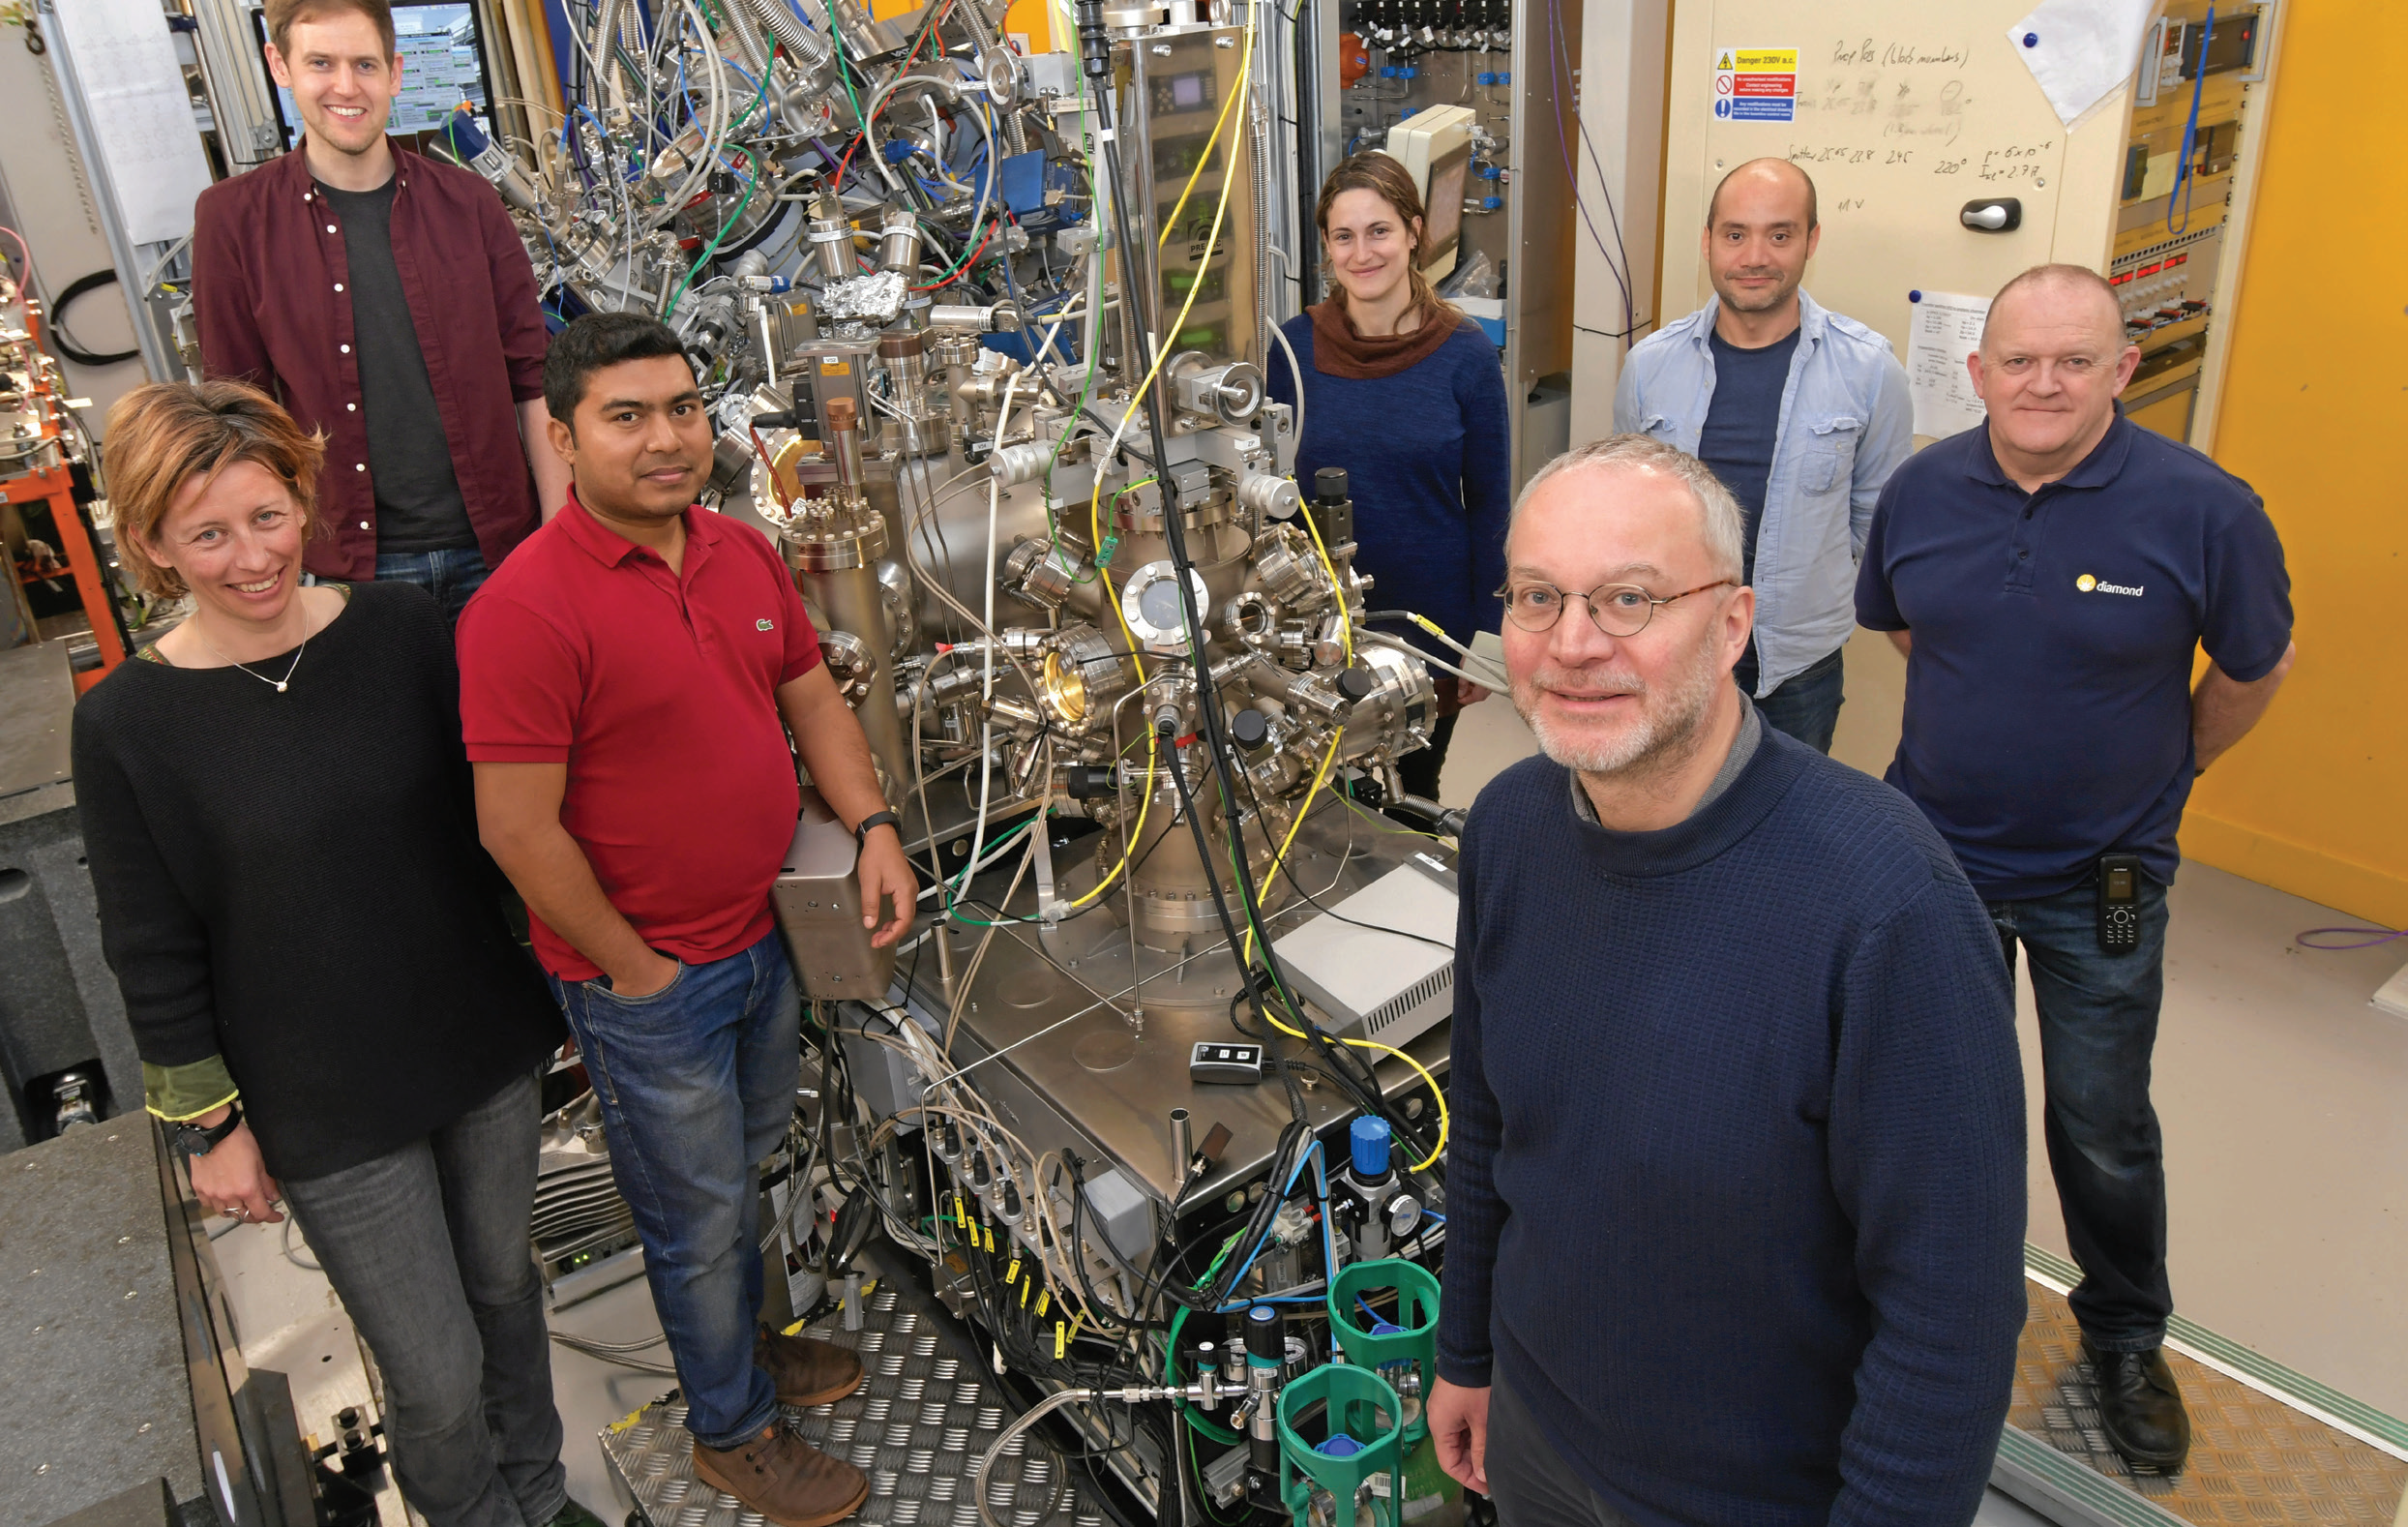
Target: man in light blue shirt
x,y
1803,413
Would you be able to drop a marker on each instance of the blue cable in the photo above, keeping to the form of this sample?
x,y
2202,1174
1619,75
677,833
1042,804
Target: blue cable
x,y
2183,177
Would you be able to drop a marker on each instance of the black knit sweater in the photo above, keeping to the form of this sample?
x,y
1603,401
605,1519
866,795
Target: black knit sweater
x,y
293,881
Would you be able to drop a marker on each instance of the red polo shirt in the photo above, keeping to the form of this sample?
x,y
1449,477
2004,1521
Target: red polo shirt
x,y
659,691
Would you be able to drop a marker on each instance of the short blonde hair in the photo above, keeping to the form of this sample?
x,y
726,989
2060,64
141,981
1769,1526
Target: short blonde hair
x,y
163,435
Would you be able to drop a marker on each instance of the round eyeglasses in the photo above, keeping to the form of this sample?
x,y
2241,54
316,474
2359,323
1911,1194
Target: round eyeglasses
x,y
1619,609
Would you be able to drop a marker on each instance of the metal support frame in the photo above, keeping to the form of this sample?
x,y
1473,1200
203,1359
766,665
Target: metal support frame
x,y
56,487
151,332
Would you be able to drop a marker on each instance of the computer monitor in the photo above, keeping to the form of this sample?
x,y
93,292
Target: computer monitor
x,y
443,63
1435,146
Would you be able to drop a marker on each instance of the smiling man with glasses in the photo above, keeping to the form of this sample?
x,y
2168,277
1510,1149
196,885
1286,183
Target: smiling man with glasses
x,y
1736,1201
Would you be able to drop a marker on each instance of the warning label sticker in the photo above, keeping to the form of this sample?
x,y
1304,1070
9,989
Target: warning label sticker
x,y
1756,84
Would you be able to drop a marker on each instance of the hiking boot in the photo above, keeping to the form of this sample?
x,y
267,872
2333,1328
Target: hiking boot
x,y
2140,1408
805,1372
783,1478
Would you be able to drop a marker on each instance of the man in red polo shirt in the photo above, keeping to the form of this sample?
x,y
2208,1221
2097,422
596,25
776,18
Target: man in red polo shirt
x,y
629,681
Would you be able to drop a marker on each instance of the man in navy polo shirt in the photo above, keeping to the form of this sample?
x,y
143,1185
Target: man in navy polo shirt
x,y
629,679
2050,575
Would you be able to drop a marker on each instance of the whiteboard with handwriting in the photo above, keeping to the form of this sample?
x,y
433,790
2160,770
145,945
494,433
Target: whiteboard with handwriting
x,y
1905,110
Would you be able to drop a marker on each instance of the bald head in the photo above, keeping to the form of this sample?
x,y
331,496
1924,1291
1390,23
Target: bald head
x,y
2059,294
1771,174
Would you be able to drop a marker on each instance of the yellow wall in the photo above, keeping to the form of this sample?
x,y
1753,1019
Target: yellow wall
x,y
2316,415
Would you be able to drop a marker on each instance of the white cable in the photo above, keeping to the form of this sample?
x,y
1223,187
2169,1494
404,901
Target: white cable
x,y
1295,374
986,682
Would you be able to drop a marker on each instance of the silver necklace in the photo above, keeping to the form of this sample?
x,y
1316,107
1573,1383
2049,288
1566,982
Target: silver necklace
x,y
277,684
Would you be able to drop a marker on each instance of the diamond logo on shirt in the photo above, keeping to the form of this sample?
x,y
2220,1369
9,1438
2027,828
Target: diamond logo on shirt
x,y
2088,584
764,623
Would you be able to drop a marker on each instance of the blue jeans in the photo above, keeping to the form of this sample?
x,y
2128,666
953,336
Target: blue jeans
x,y
696,1082
451,575
2098,1024
1805,706
427,1248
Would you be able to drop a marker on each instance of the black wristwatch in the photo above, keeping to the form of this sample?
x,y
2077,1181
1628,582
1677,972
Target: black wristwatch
x,y
194,1140
876,819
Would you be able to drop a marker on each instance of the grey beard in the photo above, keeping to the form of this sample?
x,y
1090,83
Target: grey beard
x,y
1660,734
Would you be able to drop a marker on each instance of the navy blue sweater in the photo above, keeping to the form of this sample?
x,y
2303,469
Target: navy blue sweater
x,y
1736,1197
1427,455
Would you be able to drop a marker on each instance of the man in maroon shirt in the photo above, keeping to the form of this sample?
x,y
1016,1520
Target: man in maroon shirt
x,y
352,248
628,684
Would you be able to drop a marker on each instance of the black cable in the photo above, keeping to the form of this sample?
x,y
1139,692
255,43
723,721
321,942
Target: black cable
x,y
63,343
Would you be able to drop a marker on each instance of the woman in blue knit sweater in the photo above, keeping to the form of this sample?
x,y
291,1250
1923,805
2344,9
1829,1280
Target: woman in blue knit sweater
x,y
1405,393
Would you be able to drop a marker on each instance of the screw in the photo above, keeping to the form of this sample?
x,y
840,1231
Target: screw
x,y
130,1293
145,1426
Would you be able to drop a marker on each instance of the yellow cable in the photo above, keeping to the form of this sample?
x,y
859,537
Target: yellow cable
x,y
1096,498
1206,157
1320,778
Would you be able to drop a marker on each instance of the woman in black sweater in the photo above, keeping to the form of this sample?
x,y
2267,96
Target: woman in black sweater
x,y
278,814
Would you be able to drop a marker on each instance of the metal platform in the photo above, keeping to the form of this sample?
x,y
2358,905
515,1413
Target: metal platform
x,y
2268,1446
917,1428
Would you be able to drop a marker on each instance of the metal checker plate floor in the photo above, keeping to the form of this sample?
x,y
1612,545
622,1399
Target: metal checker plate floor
x,y
916,1426
2252,1459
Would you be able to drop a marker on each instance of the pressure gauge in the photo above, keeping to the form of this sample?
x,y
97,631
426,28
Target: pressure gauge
x,y
1403,1212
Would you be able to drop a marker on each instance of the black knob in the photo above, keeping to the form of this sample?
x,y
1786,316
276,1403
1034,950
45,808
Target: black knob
x,y
1249,727
980,1176
1356,682
1266,1339
1011,1198
1329,485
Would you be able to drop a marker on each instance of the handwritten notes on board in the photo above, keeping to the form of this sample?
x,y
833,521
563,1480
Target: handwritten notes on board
x,y
1946,328
141,113
1891,121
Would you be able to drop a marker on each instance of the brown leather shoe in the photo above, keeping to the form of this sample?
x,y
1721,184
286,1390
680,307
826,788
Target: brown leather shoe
x,y
807,1372
784,1478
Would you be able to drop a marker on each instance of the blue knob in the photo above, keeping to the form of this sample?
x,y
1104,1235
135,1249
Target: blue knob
x,y
1370,1142
1488,172
1504,76
1491,203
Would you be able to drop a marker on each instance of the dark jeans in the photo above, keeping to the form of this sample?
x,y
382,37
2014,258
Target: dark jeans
x,y
1805,706
1529,1482
2099,1023
696,1082
451,575
426,1246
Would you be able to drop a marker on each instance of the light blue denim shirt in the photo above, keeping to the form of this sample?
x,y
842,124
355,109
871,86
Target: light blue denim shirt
x,y
1846,424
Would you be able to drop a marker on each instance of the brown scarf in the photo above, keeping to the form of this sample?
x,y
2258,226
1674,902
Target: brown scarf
x,y
1339,351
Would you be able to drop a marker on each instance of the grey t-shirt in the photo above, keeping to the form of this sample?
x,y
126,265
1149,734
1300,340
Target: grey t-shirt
x,y
418,507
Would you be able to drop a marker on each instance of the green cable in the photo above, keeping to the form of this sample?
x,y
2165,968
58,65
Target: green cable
x,y
1171,1346
752,183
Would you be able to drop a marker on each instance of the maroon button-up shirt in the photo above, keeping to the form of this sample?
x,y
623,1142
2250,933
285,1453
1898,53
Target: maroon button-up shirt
x,y
271,292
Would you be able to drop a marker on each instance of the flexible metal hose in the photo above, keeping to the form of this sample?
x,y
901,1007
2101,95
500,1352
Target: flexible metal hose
x,y
1034,1414
1259,175
809,49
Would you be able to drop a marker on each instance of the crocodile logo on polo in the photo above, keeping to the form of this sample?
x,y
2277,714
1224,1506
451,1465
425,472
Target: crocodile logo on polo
x,y
764,623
